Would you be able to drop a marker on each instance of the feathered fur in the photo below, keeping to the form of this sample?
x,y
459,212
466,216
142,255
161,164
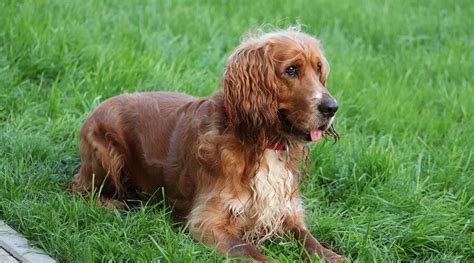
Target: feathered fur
x,y
210,154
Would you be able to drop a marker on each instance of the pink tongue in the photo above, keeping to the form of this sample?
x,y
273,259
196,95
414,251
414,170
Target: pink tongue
x,y
316,135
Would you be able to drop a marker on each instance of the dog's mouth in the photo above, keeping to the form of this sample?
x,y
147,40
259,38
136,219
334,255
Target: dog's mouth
x,y
312,135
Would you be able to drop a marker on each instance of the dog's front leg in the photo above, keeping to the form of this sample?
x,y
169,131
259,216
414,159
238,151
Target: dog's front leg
x,y
235,247
228,243
297,227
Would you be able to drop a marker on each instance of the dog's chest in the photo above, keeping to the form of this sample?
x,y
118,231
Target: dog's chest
x,y
270,199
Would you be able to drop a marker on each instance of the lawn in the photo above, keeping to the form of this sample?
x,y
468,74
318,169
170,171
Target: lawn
x,y
398,186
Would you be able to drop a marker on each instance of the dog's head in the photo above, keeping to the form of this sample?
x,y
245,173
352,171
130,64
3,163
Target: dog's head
x,y
277,81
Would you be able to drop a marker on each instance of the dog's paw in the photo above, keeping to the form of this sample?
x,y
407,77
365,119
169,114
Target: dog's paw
x,y
335,259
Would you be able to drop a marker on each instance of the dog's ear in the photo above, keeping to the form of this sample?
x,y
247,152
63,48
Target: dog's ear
x,y
250,88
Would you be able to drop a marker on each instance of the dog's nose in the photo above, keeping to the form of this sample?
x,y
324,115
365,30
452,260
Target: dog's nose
x,y
328,107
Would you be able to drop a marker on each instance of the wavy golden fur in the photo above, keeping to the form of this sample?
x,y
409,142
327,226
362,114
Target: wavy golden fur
x,y
213,156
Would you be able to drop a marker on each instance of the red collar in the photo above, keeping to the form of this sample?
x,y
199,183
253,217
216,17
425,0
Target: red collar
x,y
276,145
271,144
229,114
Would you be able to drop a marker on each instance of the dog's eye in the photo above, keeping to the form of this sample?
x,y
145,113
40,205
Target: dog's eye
x,y
291,71
319,67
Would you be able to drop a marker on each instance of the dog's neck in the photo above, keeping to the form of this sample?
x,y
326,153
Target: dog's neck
x,y
273,144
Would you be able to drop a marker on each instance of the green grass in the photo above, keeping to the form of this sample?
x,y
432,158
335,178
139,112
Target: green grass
x,y
398,187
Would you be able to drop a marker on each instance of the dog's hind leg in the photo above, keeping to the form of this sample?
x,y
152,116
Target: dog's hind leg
x,y
103,154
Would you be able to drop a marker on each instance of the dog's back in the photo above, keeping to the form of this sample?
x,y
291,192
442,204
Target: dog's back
x,y
129,143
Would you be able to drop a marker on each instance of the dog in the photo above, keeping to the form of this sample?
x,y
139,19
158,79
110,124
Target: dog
x,y
228,163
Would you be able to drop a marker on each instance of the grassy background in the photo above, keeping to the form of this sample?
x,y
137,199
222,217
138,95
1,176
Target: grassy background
x,y
398,187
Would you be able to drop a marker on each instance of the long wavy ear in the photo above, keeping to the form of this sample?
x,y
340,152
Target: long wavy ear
x,y
250,88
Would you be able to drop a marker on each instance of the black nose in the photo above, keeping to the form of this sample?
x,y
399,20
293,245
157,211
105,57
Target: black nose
x,y
328,107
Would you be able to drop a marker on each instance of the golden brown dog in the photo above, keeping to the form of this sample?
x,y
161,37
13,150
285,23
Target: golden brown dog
x,y
227,163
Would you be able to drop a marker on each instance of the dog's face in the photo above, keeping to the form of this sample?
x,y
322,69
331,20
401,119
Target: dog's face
x,y
306,109
278,81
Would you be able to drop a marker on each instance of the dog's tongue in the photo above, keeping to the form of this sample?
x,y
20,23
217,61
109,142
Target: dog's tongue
x,y
316,135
